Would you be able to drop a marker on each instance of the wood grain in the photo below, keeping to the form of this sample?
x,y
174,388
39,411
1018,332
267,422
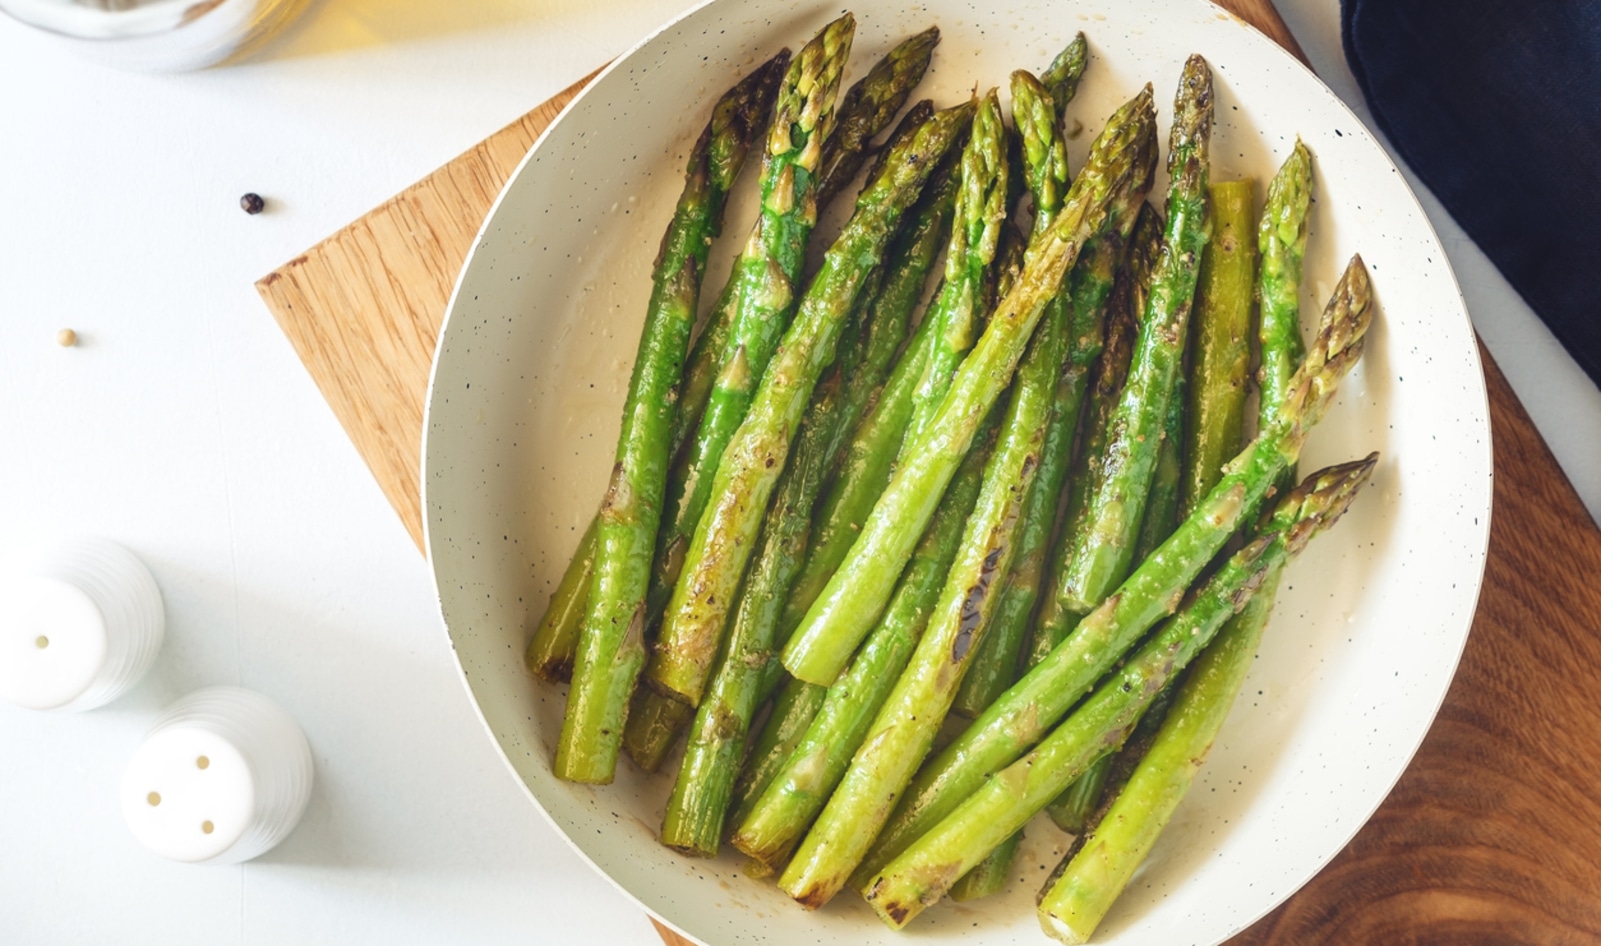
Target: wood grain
x,y
1492,836
363,307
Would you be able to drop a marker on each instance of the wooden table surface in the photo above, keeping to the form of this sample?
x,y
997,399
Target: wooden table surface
x,y
1492,835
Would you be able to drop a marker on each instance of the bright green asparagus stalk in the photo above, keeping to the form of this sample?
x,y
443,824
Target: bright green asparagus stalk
x,y
868,107
1061,77
867,461
1027,710
555,641
1086,884
1089,291
863,112
777,819
1281,240
705,781
957,310
994,664
657,719
714,163
925,870
1077,898
1111,371
856,594
1220,349
764,299
692,629
1115,768
905,728
609,651
1105,547
1163,502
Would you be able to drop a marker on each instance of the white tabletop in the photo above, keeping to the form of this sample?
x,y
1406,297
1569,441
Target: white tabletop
x,y
183,426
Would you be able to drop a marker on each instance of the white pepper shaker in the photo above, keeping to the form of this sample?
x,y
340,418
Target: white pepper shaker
x,y
223,776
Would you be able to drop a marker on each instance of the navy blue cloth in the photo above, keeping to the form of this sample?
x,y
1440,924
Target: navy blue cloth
x,y
1496,104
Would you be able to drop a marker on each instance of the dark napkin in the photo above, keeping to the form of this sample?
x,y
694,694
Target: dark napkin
x,y
1496,105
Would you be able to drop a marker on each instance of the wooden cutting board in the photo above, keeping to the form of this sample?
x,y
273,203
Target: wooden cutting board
x,y
1493,834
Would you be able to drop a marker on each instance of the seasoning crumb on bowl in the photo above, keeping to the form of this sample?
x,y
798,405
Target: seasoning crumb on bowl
x,y
252,203
66,338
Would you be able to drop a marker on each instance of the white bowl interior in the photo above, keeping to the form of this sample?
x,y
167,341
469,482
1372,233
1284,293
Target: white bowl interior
x,y
533,365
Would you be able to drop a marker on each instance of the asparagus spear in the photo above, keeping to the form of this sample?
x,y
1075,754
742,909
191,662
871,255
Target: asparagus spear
x,y
1061,77
692,630
994,663
1104,549
1214,394
658,719
868,107
1167,478
922,873
793,796
1087,883
1220,353
856,594
980,212
608,655
865,110
1089,286
1281,241
1111,372
790,714
866,463
714,163
905,728
705,781
555,640
1024,712
764,300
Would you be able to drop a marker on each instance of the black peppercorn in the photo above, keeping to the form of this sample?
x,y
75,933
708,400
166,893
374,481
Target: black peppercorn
x,y
252,203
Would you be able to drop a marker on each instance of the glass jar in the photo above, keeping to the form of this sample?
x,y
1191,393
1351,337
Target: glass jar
x,y
157,35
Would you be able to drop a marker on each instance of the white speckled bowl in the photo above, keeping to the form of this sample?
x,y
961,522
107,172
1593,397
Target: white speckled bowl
x,y
534,360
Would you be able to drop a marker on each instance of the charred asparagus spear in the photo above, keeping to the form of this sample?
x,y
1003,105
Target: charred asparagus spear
x,y
626,524
1104,549
1085,886
704,785
904,729
763,300
921,874
886,303
758,451
868,107
855,596
994,661
1027,710
715,162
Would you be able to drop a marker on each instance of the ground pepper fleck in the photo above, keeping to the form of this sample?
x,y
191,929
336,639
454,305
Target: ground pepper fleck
x,y
252,203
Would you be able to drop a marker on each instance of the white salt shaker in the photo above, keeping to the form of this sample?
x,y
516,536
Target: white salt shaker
x,y
221,777
80,624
